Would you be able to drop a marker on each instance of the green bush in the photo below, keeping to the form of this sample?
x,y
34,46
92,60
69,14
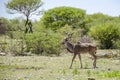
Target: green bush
x,y
106,34
58,17
16,47
45,42
77,33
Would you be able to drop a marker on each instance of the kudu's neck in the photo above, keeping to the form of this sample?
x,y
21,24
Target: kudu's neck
x,y
70,47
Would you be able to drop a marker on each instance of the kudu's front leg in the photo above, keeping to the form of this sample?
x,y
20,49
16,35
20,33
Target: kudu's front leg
x,y
80,60
72,60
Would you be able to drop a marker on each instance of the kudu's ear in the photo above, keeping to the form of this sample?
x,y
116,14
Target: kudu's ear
x,y
66,33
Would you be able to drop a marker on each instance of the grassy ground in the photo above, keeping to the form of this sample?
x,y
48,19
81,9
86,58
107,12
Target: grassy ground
x,y
57,68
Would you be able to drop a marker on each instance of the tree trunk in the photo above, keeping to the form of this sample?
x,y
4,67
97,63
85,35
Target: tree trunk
x,y
28,26
26,23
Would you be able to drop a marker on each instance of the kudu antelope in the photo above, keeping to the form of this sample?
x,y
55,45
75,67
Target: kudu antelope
x,y
80,48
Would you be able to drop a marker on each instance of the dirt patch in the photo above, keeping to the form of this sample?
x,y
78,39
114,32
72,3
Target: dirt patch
x,y
24,68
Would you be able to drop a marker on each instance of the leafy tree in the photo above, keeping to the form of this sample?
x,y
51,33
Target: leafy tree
x,y
106,34
25,7
58,17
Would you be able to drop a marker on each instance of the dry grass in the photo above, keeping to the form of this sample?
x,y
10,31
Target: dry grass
x,y
57,68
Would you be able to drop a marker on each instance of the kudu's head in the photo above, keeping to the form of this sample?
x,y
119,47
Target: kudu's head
x,y
67,39
66,42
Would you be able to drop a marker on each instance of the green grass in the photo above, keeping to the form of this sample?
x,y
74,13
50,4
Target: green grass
x,y
57,68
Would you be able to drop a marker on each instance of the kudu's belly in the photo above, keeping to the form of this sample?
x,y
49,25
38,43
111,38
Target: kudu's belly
x,y
81,49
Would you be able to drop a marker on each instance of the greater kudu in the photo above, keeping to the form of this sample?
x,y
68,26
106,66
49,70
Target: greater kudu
x,y
80,48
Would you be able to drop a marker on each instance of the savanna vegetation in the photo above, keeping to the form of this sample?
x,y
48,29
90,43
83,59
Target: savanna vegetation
x,y
48,33
33,42
57,68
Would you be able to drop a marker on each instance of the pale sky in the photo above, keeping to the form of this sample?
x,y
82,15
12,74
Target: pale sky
x,y
108,7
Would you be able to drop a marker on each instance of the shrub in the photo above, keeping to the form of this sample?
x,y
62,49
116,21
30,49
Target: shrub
x,y
16,47
45,42
77,33
106,34
86,39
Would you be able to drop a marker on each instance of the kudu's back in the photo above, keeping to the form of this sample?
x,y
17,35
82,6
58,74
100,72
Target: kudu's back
x,y
85,48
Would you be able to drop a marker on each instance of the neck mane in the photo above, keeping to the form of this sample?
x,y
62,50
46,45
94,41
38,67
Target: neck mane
x,y
70,47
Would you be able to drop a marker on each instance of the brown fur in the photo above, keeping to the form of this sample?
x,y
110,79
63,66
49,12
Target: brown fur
x,y
81,48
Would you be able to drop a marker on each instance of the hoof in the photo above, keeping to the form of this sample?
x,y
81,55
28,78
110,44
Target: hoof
x,y
95,67
91,78
81,67
70,67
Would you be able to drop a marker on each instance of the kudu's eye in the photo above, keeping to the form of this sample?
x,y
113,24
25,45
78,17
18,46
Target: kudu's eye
x,y
66,39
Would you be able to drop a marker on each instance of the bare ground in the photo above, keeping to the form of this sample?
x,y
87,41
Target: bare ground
x,y
57,68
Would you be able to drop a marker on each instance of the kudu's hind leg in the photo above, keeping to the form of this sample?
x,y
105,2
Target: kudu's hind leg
x,y
80,60
94,63
95,57
72,60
